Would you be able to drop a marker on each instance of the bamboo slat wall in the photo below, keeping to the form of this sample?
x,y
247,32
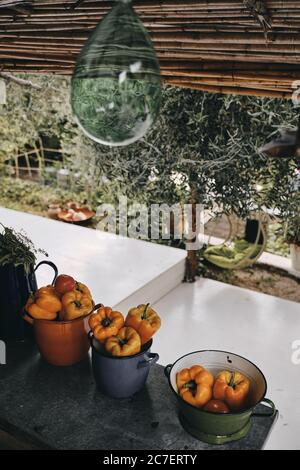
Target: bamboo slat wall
x,y
207,45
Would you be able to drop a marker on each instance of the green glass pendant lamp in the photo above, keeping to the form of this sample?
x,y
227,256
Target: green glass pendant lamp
x,y
116,85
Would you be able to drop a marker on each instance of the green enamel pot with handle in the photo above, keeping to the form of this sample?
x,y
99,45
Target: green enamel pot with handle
x,y
220,428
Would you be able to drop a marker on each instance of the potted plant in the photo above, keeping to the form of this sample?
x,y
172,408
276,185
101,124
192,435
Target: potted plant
x,y
17,279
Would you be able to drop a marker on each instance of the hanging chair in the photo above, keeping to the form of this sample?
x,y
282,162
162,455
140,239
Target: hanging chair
x,y
236,252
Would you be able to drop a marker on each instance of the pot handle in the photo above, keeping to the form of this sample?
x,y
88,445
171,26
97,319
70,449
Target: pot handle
x,y
152,358
269,414
96,307
52,265
167,370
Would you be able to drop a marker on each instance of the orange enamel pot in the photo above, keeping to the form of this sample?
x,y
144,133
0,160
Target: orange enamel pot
x,y
61,343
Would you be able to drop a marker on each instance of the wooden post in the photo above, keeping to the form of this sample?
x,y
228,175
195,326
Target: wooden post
x,y
192,255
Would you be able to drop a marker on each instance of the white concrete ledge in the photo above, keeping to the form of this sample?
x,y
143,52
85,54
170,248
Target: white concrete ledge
x,y
119,271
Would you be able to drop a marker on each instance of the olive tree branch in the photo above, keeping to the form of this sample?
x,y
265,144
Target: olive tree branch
x,y
20,81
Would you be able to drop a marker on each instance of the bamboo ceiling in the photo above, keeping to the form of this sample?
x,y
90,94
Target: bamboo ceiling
x,y
245,47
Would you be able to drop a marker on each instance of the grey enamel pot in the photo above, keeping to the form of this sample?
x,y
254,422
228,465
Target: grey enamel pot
x,y
121,377
220,428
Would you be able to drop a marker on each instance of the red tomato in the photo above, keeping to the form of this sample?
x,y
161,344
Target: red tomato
x,y
64,283
216,406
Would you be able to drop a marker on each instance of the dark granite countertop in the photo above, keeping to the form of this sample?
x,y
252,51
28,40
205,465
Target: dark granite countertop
x,y
61,408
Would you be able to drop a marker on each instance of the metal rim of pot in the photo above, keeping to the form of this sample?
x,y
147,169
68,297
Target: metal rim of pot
x,y
168,368
53,322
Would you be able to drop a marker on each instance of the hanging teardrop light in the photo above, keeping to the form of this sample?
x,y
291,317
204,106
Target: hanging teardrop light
x,y
116,85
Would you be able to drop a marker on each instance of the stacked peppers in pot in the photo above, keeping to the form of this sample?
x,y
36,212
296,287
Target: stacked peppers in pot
x,y
66,300
123,337
227,392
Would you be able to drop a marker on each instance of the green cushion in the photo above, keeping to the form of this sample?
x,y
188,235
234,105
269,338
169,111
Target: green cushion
x,y
228,257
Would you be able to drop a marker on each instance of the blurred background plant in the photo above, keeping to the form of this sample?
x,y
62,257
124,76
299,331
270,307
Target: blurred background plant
x,y
204,148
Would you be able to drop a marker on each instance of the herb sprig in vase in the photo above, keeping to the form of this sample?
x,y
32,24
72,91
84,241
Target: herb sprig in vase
x,y
17,249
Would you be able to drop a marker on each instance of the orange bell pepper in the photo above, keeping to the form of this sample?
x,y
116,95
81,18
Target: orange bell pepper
x,y
195,385
105,323
232,388
75,304
126,343
83,289
144,320
48,302
46,290
44,305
